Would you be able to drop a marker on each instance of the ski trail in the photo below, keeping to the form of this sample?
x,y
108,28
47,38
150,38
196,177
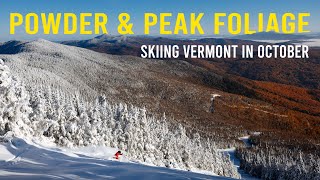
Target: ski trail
x,y
245,140
236,162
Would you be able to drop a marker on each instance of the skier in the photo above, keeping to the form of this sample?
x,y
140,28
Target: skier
x,y
117,155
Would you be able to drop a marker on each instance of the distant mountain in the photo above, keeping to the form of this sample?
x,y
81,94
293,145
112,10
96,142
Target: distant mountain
x,y
301,73
10,47
130,45
315,35
272,36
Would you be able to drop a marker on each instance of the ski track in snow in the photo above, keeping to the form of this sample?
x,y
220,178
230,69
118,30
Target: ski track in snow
x,y
22,160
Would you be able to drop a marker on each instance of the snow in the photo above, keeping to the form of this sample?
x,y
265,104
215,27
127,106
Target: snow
x,y
215,95
231,152
310,43
27,160
5,155
272,41
236,162
246,140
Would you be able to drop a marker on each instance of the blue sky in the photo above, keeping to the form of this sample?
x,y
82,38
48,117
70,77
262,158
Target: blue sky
x,y
137,8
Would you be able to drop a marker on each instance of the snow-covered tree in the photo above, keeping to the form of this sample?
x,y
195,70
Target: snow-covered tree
x,y
14,105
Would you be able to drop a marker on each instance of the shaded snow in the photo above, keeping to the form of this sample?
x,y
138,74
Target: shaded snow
x,y
246,140
236,162
5,155
232,153
22,160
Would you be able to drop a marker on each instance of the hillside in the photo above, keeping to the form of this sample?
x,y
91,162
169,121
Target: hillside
x,y
49,115
297,72
180,89
160,85
303,73
25,160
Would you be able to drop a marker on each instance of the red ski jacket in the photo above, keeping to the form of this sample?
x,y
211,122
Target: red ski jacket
x,y
116,156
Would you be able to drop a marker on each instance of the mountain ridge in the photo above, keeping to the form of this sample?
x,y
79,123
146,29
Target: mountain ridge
x,y
283,115
272,36
142,82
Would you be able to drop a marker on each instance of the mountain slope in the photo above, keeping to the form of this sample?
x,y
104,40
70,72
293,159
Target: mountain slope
x,y
179,88
21,160
176,87
298,72
159,85
304,73
49,115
